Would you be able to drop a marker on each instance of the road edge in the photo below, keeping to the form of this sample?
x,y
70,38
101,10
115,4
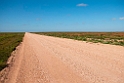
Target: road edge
x,y
4,72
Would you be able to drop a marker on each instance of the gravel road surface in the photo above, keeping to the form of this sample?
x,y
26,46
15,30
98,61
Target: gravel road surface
x,y
45,59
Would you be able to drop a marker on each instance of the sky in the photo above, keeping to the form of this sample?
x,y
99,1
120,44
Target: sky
x,y
61,15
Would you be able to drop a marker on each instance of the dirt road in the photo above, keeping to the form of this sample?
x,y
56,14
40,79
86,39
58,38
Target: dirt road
x,y
45,59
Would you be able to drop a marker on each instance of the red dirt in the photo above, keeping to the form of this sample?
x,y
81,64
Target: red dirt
x,y
45,59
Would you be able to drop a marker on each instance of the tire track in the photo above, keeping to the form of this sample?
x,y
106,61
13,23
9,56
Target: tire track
x,y
48,59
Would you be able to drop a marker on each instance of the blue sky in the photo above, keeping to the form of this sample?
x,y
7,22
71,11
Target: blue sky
x,y
61,15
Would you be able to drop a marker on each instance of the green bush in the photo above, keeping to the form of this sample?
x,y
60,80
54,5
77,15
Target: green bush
x,y
8,43
102,37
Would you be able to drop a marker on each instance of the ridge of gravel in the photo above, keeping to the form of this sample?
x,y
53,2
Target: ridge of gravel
x,y
45,59
4,72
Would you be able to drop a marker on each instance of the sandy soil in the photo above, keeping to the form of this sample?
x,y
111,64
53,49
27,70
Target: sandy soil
x,y
45,59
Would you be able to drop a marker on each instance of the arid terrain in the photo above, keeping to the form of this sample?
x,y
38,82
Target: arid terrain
x,y
45,59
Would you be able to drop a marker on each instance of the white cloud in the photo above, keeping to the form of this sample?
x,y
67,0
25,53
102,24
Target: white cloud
x,y
113,19
82,4
24,24
121,18
38,19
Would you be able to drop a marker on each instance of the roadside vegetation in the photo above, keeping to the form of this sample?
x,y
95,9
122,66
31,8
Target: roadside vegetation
x,y
114,38
8,43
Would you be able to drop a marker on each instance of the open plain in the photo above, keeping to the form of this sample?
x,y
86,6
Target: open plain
x,y
45,59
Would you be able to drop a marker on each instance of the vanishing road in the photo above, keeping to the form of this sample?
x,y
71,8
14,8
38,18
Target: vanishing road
x,y
45,59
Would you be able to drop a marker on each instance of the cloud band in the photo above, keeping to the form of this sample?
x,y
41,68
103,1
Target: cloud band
x,y
82,4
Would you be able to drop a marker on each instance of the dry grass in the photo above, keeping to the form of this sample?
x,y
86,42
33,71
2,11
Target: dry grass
x,y
115,38
8,43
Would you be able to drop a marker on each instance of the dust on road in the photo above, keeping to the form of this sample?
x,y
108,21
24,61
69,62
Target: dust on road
x,y
45,59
